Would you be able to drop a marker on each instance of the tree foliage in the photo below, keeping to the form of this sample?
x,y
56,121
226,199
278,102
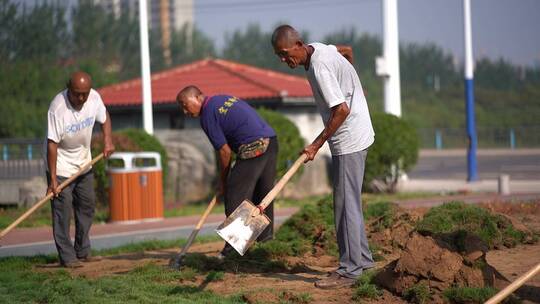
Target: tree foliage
x,y
38,51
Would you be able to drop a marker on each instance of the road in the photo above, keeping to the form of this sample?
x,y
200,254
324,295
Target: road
x,y
43,244
452,164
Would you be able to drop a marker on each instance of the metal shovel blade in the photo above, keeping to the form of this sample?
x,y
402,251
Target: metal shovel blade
x,y
241,229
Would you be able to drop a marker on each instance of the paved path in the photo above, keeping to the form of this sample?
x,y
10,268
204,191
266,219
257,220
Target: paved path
x,y
520,164
32,241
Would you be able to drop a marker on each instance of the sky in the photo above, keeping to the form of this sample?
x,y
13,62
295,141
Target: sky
x,y
501,28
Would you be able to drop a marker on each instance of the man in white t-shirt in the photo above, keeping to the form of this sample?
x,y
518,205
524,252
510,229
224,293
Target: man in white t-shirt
x,y
70,121
341,102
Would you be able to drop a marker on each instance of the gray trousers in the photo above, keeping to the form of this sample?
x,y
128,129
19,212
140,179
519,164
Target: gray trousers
x,y
77,198
348,174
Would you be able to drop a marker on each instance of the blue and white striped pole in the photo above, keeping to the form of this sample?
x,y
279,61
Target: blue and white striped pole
x,y
472,173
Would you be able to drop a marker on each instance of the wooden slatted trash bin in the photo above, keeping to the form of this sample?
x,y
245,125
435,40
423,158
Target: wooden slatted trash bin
x,y
125,192
148,165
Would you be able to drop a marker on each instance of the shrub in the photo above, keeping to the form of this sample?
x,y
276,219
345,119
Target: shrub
x,y
452,217
128,140
394,151
147,142
291,143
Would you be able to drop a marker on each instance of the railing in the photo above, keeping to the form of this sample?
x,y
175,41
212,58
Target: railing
x,y
510,138
21,158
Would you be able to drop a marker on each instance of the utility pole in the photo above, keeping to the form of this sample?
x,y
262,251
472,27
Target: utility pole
x,y
148,123
472,174
388,65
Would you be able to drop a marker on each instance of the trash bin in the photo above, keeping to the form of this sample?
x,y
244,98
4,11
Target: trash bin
x,y
135,186
124,188
148,165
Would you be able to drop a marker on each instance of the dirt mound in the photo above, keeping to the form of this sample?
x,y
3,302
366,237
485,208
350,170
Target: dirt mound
x,y
391,231
437,265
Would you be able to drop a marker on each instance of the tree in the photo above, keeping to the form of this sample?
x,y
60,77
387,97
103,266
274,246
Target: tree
x,y
186,47
254,47
39,33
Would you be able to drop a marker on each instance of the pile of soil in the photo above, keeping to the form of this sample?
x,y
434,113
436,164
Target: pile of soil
x,y
438,265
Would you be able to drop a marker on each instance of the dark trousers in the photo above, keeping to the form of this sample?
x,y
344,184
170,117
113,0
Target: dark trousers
x,y
77,198
252,179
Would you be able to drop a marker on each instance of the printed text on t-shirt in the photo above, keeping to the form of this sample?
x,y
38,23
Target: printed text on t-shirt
x,y
76,127
227,104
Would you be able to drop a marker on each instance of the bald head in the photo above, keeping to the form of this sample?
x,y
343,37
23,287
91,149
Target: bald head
x,y
80,80
285,35
289,47
190,100
189,91
79,85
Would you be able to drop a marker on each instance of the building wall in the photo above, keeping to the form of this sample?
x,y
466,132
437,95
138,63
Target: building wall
x,y
180,11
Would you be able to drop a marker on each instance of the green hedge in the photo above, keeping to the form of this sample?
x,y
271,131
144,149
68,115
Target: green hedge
x,y
396,147
290,141
127,140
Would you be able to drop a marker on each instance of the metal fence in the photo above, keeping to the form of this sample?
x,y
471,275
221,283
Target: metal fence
x,y
510,138
21,158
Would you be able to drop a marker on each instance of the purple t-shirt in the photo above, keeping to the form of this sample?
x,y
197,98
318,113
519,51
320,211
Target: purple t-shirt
x,y
228,120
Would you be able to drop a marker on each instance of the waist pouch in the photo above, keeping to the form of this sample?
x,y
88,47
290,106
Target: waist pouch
x,y
253,149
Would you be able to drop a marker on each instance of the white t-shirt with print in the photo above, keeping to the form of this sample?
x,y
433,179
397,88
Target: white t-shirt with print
x,y
334,80
72,130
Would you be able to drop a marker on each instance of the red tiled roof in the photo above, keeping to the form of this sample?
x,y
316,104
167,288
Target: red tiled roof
x,y
212,76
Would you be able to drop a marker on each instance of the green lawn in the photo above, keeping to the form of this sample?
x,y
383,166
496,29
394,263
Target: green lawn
x,y
20,282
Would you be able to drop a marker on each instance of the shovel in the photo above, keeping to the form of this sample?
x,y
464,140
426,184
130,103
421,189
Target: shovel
x,y
248,221
49,196
176,262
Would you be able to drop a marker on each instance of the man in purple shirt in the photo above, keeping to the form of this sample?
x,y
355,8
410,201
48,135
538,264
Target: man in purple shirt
x,y
233,126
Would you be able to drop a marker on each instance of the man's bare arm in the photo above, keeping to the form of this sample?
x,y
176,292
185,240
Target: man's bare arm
x,y
337,117
108,146
52,148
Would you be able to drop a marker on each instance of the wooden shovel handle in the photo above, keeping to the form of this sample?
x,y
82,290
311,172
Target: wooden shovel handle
x,y
282,182
501,295
198,227
49,196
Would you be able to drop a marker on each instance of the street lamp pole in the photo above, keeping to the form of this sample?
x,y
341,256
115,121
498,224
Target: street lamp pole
x,y
472,174
148,122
